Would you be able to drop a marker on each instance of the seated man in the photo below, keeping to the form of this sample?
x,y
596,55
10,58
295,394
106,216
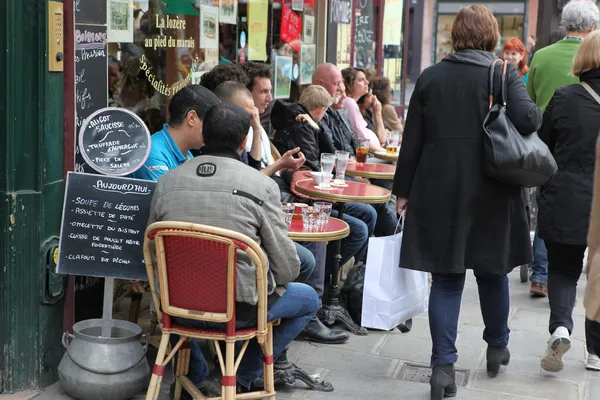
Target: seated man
x,y
169,149
307,135
238,94
171,146
239,198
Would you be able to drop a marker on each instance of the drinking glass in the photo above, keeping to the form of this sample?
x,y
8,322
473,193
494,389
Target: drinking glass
x,y
288,210
310,217
393,143
361,152
341,163
323,212
327,163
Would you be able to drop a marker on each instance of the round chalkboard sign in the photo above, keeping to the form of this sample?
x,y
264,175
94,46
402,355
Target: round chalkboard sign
x,y
114,141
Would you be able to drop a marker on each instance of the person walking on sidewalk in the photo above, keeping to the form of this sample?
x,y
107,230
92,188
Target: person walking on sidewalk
x,y
456,217
570,129
549,70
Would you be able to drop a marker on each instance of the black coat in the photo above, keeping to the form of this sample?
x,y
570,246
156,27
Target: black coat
x,y
458,218
570,129
290,134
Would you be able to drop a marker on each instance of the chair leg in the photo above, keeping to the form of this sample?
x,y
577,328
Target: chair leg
x,y
158,371
229,383
183,361
268,373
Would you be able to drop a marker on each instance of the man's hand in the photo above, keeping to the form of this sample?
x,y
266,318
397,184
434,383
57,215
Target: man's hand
x,y
288,161
401,205
255,122
307,119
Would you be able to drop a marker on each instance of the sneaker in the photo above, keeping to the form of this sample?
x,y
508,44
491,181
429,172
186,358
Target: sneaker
x,y
592,363
558,344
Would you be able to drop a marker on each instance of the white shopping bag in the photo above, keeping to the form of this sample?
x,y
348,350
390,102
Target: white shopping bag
x,y
391,294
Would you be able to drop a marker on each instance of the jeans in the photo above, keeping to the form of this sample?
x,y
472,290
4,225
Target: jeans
x,y
362,219
539,266
307,263
297,306
564,270
592,330
444,308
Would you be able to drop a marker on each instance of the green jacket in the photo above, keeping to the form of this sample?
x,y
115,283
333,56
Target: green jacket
x,y
551,69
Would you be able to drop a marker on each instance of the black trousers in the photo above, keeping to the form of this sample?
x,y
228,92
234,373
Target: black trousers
x,y
592,329
565,263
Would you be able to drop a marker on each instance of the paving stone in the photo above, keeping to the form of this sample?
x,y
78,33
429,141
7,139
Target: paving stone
x,y
413,349
343,360
470,313
593,389
420,328
529,320
524,385
364,344
533,343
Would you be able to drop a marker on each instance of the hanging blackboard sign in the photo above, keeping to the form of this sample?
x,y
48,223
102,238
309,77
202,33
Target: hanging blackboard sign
x,y
103,224
114,141
364,38
90,12
91,78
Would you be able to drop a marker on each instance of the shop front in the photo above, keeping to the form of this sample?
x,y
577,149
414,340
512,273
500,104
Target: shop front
x,y
369,34
512,19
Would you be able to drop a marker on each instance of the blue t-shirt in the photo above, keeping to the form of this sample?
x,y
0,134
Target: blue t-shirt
x,y
164,156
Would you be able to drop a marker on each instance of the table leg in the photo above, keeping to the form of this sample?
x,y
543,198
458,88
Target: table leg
x,y
287,373
332,312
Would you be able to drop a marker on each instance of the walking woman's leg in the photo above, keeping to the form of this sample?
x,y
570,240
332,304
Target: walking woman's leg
x,y
494,299
444,308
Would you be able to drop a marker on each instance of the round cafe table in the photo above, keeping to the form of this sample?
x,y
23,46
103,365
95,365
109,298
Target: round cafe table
x,y
353,192
384,155
335,229
371,171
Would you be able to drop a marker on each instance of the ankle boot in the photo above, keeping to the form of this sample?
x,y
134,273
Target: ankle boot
x,y
443,382
495,358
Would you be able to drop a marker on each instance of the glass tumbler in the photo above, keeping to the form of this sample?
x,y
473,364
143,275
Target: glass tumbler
x,y
309,218
341,163
288,210
323,212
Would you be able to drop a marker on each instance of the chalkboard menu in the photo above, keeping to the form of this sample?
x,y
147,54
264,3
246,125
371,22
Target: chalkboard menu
x,y
90,12
114,141
103,224
91,78
364,38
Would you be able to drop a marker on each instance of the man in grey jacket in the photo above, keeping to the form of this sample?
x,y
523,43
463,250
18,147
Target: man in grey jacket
x,y
217,189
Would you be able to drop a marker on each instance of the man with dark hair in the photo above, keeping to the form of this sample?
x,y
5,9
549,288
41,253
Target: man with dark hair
x,y
239,198
171,146
223,73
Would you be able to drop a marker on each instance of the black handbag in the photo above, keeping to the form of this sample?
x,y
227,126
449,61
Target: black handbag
x,y
509,156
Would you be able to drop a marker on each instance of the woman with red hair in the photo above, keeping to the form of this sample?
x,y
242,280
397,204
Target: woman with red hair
x,y
514,52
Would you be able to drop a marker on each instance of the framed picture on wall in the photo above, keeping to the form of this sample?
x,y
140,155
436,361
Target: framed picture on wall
x,y
309,29
308,54
283,77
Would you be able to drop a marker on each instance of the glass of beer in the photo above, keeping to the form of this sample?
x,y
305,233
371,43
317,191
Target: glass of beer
x,y
393,143
361,152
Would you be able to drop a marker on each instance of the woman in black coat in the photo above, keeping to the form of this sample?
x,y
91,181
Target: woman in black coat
x,y
456,217
570,129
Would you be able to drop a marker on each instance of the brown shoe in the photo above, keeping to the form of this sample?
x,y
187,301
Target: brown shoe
x,y
538,290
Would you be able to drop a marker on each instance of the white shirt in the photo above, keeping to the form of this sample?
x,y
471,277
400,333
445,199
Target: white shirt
x,y
266,157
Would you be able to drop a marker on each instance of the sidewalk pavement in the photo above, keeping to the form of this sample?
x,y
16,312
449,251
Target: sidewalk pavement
x,y
387,365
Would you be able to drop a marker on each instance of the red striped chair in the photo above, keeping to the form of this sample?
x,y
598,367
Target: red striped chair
x,y
196,267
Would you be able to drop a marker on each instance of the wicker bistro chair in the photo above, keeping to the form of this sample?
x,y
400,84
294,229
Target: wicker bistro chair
x,y
197,273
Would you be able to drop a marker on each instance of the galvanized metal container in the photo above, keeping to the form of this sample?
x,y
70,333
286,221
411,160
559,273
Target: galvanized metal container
x,y
112,366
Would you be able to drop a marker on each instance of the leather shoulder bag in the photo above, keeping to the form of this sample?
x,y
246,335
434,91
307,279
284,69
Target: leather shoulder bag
x,y
511,157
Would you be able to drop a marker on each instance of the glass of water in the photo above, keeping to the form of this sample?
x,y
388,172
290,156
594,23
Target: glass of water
x,y
288,210
310,217
323,212
327,164
341,163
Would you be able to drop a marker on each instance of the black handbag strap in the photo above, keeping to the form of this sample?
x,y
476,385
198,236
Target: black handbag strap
x,y
503,82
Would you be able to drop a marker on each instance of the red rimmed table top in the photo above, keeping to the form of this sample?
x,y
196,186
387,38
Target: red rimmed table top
x,y
335,229
384,155
369,170
355,192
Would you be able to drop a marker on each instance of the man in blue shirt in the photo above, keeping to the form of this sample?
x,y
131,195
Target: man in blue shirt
x,y
171,146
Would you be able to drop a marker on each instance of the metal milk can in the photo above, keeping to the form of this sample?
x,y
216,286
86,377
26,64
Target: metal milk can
x,y
110,367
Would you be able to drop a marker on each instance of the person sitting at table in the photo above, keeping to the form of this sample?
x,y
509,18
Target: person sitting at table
x,y
310,273
292,131
171,146
383,90
239,198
